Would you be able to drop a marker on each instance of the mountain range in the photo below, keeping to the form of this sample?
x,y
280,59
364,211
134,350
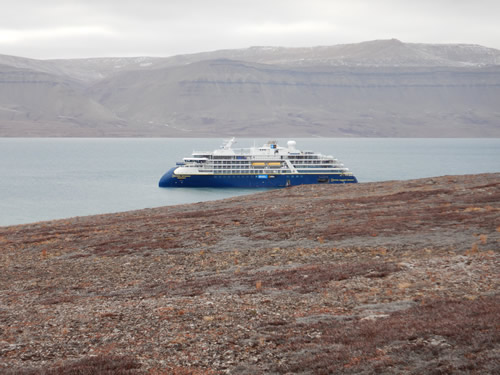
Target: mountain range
x,y
383,88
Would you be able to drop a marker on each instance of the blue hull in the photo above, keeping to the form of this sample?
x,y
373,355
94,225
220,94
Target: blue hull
x,y
169,179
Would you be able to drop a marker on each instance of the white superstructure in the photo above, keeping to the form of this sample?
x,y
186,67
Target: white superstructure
x,y
266,159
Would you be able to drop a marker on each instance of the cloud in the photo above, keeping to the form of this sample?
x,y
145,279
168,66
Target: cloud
x,y
271,28
88,28
19,36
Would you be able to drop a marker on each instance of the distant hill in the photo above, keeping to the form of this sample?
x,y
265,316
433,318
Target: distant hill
x,y
386,53
379,88
47,104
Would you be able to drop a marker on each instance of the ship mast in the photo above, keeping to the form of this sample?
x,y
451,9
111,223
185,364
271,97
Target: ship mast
x,y
228,143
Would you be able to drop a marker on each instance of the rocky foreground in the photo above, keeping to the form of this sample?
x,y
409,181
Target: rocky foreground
x,y
394,277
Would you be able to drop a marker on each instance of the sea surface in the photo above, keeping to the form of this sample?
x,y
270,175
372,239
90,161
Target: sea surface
x,y
51,178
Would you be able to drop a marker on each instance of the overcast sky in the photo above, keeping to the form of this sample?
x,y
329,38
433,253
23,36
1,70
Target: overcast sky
x,y
46,29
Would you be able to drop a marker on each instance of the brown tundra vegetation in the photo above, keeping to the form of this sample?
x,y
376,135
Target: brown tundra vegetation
x,y
398,277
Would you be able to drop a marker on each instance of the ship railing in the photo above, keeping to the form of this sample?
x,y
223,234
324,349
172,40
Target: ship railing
x,y
266,157
252,156
318,166
193,164
245,171
237,151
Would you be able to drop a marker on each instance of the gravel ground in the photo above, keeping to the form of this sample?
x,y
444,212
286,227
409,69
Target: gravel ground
x,y
397,277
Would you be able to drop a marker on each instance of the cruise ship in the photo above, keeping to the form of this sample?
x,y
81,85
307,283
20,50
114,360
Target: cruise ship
x,y
268,166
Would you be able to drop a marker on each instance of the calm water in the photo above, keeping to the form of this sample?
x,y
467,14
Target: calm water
x,y
43,179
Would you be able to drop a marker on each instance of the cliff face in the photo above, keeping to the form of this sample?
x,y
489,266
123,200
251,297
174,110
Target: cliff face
x,y
394,277
373,89
231,97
